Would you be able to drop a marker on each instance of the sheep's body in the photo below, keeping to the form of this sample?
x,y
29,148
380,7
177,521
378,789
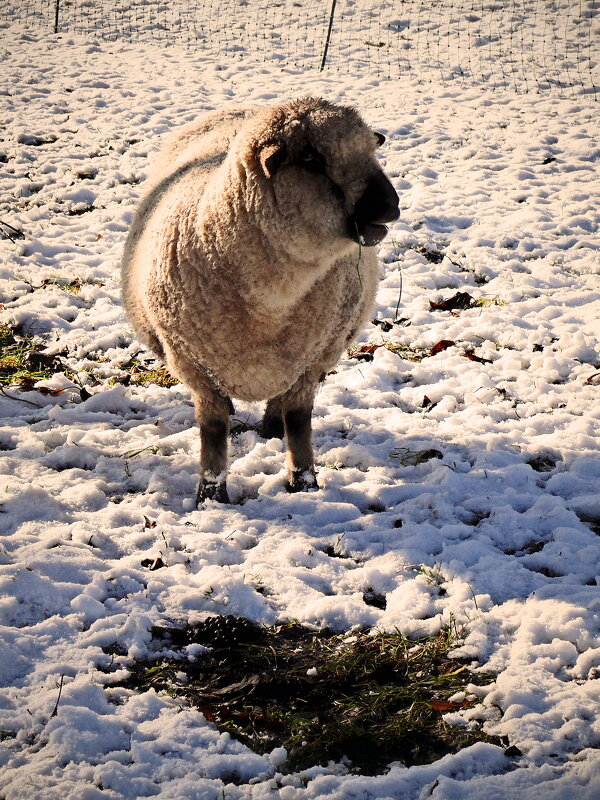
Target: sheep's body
x,y
219,281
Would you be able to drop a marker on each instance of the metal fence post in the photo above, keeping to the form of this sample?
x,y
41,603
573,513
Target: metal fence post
x,y
326,48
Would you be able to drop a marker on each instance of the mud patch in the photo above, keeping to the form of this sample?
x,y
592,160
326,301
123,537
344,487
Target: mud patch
x,y
371,698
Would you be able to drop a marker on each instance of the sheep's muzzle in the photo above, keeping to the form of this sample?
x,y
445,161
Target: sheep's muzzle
x,y
377,205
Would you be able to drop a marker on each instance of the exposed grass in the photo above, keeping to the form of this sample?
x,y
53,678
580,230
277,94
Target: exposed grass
x,y
364,352
483,302
74,286
139,374
162,377
371,698
21,362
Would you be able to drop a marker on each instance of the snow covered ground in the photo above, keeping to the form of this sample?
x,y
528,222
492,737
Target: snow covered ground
x,y
498,538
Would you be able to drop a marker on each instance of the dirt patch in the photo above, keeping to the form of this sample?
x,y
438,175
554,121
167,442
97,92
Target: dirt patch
x,y
323,696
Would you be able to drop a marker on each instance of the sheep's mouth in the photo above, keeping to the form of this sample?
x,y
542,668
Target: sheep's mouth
x,y
367,234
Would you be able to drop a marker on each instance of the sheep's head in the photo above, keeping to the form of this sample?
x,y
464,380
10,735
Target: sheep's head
x,y
319,177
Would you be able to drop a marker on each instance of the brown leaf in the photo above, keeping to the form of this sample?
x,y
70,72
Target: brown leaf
x,y
447,705
428,403
478,359
442,345
41,361
27,384
364,352
46,390
458,302
149,523
384,324
208,712
153,564
368,348
594,380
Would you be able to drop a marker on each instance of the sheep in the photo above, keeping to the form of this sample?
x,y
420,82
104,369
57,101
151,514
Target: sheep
x,y
250,265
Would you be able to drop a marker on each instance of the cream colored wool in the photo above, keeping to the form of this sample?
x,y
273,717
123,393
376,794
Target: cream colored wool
x,y
248,281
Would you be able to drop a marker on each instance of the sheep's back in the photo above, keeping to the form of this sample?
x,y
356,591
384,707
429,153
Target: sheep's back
x,y
207,138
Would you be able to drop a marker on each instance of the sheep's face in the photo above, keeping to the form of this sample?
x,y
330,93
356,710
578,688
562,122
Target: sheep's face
x,y
324,183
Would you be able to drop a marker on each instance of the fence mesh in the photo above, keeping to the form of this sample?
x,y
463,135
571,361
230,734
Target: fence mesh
x,y
524,44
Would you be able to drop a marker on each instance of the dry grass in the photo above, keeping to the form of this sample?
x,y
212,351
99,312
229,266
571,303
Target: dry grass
x,y
372,698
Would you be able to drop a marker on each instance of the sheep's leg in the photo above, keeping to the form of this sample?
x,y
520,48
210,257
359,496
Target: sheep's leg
x,y
272,422
212,413
297,406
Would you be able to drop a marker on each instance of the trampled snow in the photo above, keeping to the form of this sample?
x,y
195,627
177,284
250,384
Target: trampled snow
x,y
496,535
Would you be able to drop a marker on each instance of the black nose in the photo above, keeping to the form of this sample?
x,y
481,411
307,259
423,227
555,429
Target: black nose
x,y
378,204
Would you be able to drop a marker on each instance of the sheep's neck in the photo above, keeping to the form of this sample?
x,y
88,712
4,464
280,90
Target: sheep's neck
x,y
271,281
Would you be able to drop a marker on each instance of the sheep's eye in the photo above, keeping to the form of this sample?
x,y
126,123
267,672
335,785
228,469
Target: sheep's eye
x,y
311,160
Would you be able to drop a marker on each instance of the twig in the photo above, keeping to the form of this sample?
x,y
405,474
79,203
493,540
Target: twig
x,y
17,233
12,227
399,292
20,399
54,713
400,272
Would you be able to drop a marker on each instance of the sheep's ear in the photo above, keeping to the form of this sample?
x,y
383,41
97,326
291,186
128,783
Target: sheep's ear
x,y
380,138
272,157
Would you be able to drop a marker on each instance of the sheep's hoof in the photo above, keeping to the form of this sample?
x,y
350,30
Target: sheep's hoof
x,y
271,428
212,490
301,480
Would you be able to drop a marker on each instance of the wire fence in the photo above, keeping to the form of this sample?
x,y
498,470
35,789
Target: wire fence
x,y
529,45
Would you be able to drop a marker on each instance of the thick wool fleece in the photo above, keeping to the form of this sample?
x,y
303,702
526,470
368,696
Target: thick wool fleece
x,y
247,279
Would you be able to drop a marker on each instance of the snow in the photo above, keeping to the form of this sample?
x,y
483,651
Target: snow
x,y
497,539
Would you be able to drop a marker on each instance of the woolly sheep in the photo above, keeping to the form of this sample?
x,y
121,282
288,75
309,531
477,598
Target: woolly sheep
x,y
250,265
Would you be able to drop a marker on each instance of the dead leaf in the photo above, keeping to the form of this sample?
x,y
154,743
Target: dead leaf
x,y
384,324
46,390
458,302
447,705
153,564
594,380
149,523
27,384
208,712
367,348
428,403
478,359
442,345
364,352
41,361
